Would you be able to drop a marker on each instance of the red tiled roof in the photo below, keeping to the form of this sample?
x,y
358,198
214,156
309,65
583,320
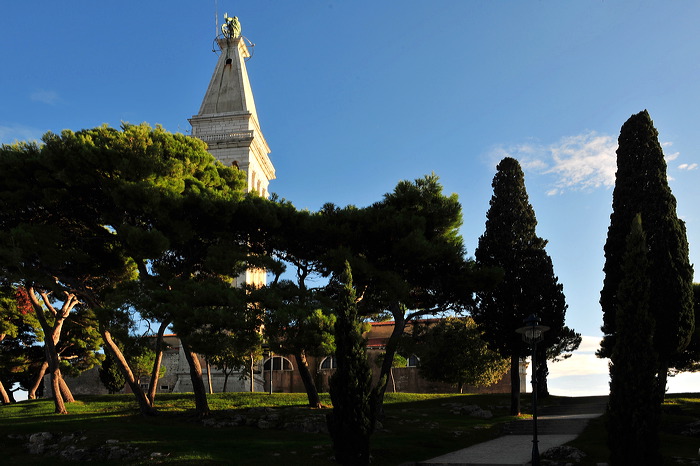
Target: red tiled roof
x,y
376,342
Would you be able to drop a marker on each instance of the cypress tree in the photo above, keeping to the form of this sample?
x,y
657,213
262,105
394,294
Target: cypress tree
x,y
634,409
689,359
529,285
547,294
641,186
352,421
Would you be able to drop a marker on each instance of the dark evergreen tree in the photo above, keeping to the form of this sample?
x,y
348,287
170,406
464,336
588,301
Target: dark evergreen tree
x,y
111,376
689,359
352,421
528,285
634,408
549,296
641,186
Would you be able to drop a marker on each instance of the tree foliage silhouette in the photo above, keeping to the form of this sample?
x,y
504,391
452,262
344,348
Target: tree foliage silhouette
x,y
634,408
528,284
641,186
352,421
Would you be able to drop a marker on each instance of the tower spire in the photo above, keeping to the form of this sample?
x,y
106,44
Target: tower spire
x,y
228,120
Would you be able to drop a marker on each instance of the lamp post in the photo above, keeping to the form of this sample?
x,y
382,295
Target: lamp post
x,y
532,333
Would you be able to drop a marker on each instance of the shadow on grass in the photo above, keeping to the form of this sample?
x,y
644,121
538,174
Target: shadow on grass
x,y
416,427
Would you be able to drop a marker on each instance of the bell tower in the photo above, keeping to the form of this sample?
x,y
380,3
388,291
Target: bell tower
x,y
227,120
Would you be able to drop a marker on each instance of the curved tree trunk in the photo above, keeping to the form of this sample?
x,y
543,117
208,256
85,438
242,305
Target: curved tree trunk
x,y
3,394
226,374
5,397
389,352
54,370
52,335
59,405
11,394
514,385
200,394
155,374
309,385
38,381
209,382
252,374
144,405
65,391
662,379
542,373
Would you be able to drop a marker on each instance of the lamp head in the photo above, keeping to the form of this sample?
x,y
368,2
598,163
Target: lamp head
x,y
532,332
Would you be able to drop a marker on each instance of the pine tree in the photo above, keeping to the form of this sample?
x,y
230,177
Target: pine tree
x,y
352,421
107,206
641,186
634,408
529,285
453,351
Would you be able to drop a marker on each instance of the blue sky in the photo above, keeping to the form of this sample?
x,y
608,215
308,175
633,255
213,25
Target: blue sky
x,y
354,96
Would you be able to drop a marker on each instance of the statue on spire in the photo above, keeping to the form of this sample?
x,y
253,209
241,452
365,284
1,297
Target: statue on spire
x,y
231,27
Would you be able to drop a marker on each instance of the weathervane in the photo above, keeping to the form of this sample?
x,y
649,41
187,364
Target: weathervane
x,y
231,27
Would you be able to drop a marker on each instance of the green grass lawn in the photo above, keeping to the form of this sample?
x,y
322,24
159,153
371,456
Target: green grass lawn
x,y
416,427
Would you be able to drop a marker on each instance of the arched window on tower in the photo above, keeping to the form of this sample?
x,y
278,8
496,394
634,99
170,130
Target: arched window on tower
x,y
413,361
279,363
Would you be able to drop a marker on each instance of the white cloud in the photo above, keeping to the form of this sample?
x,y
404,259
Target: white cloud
x,y
585,385
578,163
585,161
583,362
13,133
581,162
589,344
46,97
684,383
584,374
